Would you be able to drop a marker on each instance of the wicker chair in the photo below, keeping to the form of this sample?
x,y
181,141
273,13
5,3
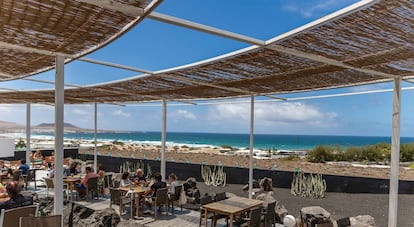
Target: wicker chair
x,y
175,198
119,199
92,187
269,215
10,217
161,198
44,221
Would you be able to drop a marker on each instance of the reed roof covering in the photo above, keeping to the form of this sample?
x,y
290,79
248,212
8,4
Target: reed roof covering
x,y
33,32
371,44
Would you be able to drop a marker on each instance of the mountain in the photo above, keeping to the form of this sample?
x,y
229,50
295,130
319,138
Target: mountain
x,y
5,125
52,125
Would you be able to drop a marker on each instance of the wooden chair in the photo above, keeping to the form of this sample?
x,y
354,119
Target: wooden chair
x,y
254,219
92,187
175,198
119,199
203,201
221,196
161,198
31,177
269,215
51,185
10,217
17,176
44,221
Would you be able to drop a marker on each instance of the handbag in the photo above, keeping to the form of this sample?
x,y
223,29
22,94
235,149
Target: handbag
x,y
183,197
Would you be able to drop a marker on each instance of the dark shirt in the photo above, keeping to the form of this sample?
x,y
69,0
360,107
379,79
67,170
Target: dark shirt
x,y
25,168
141,178
157,185
17,201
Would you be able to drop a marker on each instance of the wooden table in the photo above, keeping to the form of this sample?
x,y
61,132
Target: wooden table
x,y
231,207
137,190
3,175
72,183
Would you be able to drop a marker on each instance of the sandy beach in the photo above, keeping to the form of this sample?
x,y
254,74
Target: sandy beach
x,y
213,156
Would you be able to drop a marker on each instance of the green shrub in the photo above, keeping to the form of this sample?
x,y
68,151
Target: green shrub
x,y
320,154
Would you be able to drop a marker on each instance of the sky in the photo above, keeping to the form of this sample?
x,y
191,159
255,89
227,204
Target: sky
x,y
153,45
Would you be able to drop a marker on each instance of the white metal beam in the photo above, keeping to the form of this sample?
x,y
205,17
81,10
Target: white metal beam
x,y
95,129
181,78
28,151
325,60
59,129
251,146
204,28
163,140
395,155
119,66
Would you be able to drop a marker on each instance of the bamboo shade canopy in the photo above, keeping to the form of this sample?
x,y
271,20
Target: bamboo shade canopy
x,y
33,32
372,44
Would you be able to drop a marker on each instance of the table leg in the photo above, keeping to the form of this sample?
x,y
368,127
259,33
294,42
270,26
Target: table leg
x,y
205,217
132,206
137,203
231,220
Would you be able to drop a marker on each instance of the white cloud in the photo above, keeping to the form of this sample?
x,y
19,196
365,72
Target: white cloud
x,y
81,112
183,114
274,114
121,113
313,9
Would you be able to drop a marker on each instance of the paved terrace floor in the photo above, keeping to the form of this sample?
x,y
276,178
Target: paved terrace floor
x,y
338,204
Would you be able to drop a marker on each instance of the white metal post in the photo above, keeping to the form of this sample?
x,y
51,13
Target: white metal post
x,y
395,155
251,146
95,152
28,133
59,128
163,139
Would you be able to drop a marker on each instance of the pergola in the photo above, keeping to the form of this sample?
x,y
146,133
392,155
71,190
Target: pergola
x,y
365,43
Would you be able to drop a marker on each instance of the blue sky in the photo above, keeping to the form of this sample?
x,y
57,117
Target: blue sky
x,y
154,45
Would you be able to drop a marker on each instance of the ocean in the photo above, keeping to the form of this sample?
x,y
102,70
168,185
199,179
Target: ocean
x,y
261,141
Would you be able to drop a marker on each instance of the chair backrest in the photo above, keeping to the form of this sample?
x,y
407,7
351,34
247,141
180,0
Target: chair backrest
x,y
44,221
270,214
161,196
177,192
108,181
49,182
206,199
31,175
255,217
221,196
17,175
8,218
93,183
115,195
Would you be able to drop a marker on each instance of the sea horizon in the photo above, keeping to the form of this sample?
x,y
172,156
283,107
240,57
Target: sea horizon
x,y
235,140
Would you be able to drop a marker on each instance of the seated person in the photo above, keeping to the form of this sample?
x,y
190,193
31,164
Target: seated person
x,y
101,179
152,191
74,169
16,198
2,166
51,172
24,167
3,191
172,178
37,156
140,179
84,182
125,180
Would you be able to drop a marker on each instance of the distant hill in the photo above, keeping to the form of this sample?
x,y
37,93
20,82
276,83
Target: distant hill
x,y
52,125
5,125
